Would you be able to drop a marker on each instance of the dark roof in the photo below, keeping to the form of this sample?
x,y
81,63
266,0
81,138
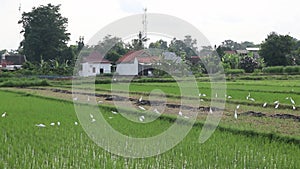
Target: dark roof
x,y
95,57
13,59
142,56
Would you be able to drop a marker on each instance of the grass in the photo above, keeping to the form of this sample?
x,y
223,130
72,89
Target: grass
x,y
68,146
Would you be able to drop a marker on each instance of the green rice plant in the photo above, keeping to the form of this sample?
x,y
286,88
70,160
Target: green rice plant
x,y
23,145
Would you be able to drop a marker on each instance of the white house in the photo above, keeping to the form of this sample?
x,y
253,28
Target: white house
x,y
142,62
94,64
136,63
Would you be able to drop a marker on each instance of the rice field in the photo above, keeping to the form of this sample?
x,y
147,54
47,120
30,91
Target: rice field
x,y
24,145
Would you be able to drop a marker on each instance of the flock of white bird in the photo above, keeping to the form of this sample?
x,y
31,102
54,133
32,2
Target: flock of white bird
x,y
248,97
142,118
41,125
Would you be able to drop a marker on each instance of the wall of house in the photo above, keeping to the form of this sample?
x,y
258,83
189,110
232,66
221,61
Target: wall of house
x,y
93,69
128,68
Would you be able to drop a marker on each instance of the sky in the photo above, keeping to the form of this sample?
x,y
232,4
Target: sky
x,y
218,20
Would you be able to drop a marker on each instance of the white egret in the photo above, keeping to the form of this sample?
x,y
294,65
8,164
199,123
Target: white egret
x,y
93,120
294,108
201,100
292,101
88,99
249,95
140,99
4,114
265,104
142,108
114,112
186,117
91,116
276,106
229,97
75,98
156,111
180,113
110,117
238,106
100,101
40,125
52,124
76,123
142,118
252,99
58,123
216,95
276,102
210,111
235,114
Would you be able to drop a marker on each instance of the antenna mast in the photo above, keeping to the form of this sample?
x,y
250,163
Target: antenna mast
x,y
145,22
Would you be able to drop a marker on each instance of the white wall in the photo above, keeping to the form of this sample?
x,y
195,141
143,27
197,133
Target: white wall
x,y
128,68
87,69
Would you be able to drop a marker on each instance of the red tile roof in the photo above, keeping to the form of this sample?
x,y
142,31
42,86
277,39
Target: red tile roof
x,y
141,55
95,57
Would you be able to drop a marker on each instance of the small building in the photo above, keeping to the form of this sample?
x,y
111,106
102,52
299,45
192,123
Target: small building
x,y
12,61
94,64
230,52
242,52
137,63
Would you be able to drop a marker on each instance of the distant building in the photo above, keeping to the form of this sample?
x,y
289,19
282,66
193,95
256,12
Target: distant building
x,y
242,52
12,61
231,52
136,63
254,51
94,64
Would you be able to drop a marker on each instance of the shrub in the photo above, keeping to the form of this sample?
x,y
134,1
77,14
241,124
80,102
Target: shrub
x,y
248,63
273,69
234,71
292,69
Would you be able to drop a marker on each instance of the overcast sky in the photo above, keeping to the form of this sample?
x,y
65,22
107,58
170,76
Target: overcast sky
x,y
216,19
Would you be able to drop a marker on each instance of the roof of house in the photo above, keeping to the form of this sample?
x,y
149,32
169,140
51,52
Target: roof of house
x,y
13,59
95,57
143,56
252,49
171,56
230,52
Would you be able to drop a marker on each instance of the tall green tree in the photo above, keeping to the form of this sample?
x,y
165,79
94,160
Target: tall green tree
x,y
112,47
160,44
45,33
276,49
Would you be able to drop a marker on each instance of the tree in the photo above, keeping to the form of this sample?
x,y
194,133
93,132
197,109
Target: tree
x,y
45,33
138,44
112,47
249,63
276,49
160,44
181,49
232,60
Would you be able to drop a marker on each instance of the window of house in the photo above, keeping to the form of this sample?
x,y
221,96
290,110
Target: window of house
x,y
94,70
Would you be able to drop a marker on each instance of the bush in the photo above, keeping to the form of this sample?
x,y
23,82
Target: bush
x,y
292,69
24,83
248,63
273,69
234,71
